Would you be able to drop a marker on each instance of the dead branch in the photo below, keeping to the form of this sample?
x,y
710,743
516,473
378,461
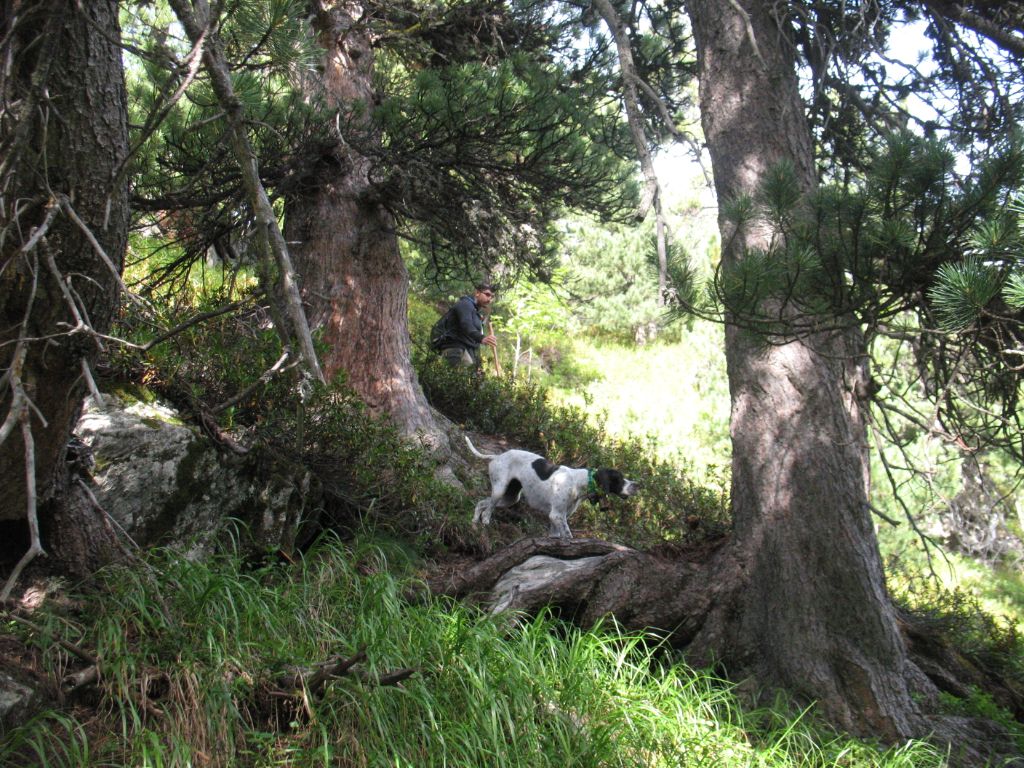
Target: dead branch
x,y
88,676
195,320
94,391
38,232
750,31
263,379
35,547
24,124
212,429
1005,39
485,574
80,323
198,25
630,81
316,678
396,677
191,66
312,680
18,396
65,204
70,647
632,103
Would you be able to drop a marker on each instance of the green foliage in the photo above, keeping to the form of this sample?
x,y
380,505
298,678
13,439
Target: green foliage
x,y
962,291
876,245
1013,292
981,704
194,656
370,475
906,250
367,474
994,644
612,286
182,162
484,156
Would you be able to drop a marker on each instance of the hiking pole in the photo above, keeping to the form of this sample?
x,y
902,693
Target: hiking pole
x,y
494,349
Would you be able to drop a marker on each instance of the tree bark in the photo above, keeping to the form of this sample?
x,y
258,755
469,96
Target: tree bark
x,y
65,228
355,285
815,618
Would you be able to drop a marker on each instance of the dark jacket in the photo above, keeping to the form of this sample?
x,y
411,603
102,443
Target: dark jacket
x,y
468,329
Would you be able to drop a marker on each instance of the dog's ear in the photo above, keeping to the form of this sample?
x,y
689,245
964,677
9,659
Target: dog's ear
x,y
610,480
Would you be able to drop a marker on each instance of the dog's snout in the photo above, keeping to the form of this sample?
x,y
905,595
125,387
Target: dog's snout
x,y
632,487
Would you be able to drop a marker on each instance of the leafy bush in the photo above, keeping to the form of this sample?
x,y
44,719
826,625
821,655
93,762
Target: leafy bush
x,y
370,475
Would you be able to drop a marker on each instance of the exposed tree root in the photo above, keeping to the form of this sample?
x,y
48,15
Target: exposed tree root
x,y
694,600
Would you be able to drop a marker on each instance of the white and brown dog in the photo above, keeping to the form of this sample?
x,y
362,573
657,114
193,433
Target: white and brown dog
x,y
555,490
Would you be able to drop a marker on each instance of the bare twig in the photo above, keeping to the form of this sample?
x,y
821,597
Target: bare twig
x,y
195,320
65,204
926,541
80,323
18,396
263,379
100,508
875,510
35,547
68,646
94,391
37,233
24,123
191,63
750,30
494,349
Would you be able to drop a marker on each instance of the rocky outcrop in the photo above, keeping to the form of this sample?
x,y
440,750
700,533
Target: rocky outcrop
x,y
162,482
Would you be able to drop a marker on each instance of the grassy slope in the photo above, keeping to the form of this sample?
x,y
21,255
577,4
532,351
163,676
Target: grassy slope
x,y
193,655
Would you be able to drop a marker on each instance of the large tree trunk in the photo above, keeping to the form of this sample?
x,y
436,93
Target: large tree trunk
x,y
815,614
65,134
797,596
344,245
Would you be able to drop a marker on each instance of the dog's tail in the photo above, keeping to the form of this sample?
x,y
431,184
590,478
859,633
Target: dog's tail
x,y
477,453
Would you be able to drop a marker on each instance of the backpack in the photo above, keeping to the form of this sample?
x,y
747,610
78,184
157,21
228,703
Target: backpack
x,y
440,332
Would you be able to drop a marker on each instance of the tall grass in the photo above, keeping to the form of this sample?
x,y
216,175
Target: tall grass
x,y
192,655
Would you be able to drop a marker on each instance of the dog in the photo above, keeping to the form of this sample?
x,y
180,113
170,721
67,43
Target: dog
x,y
555,490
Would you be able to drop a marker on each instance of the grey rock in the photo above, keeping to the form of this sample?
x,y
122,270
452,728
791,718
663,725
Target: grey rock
x,y
163,483
16,701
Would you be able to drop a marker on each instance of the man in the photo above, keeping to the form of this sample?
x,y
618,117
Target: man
x,y
461,345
